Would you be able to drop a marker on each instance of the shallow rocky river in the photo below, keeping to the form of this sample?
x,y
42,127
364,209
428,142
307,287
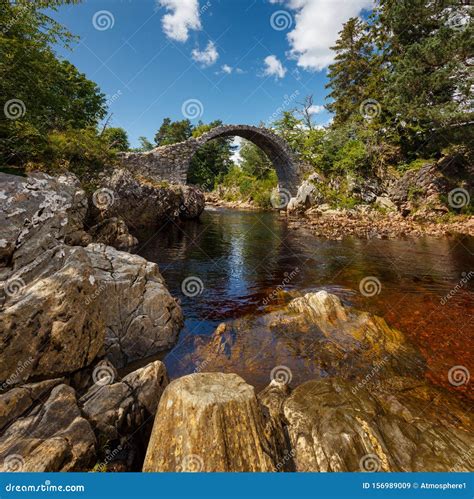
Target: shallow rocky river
x,y
244,259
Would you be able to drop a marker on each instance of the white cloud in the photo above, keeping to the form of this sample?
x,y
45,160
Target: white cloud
x,y
206,57
184,16
227,69
315,109
317,24
273,67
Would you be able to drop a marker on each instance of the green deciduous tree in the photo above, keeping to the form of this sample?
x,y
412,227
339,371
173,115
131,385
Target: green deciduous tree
x,y
116,138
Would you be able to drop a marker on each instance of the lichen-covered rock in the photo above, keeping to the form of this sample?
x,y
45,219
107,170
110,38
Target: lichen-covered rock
x,y
143,202
120,407
74,304
308,195
114,232
209,422
403,425
37,212
193,202
47,433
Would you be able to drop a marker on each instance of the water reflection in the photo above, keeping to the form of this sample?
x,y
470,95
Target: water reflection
x,y
241,257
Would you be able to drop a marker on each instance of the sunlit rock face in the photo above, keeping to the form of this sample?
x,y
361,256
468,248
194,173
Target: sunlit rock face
x,y
64,305
143,202
209,422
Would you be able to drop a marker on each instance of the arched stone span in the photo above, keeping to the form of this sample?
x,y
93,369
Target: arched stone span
x,y
171,163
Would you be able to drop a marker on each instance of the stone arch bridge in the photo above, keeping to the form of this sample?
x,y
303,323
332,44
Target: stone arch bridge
x,y
171,163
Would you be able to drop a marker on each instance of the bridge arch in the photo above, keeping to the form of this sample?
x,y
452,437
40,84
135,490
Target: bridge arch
x,y
171,163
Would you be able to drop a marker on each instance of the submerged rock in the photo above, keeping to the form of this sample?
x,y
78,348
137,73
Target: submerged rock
x,y
209,422
327,338
404,425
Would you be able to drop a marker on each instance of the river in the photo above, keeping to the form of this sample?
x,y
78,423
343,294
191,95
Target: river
x,y
242,258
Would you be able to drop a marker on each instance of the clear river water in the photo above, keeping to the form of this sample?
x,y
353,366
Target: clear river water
x,y
243,257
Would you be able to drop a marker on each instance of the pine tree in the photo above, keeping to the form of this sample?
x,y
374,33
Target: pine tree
x,y
350,72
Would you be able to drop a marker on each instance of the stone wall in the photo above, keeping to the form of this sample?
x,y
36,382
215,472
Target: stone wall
x,y
171,163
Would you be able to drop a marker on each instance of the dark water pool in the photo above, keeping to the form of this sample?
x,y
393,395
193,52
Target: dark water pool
x,y
241,258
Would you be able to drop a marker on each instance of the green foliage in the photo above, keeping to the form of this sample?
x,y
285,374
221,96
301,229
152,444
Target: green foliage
x,y
145,145
171,132
240,186
82,152
116,139
211,160
45,93
254,161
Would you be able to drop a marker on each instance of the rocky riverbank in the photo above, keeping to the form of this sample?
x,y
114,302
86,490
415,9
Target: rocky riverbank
x,y
76,315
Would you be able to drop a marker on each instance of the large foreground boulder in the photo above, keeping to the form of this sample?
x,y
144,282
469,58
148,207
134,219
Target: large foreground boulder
x,y
45,430
63,306
209,422
119,407
403,425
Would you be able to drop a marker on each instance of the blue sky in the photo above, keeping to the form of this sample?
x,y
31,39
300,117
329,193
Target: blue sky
x,y
241,61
